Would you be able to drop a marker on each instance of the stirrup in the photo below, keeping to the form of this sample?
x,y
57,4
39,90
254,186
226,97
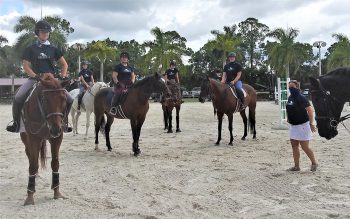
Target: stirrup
x,y
113,111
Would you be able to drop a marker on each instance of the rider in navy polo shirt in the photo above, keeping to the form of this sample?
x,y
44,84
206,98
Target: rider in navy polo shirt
x,y
39,58
86,81
232,76
123,77
172,73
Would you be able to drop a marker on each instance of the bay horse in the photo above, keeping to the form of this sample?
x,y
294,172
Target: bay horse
x,y
43,120
168,104
87,106
134,107
226,102
329,93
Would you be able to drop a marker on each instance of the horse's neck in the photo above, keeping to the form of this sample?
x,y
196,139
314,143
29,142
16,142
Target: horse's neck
x,y
217,88
142,93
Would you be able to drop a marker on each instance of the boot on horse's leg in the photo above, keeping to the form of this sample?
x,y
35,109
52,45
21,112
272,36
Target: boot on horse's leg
x,y
115,102
30,190
16,113
55,185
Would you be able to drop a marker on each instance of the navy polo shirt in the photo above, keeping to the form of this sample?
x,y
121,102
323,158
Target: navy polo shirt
x,y
231,70
124,72
296,111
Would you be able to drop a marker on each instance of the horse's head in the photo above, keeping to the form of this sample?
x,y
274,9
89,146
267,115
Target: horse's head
x,y
327,109
159,85
52,103
98,86
205,90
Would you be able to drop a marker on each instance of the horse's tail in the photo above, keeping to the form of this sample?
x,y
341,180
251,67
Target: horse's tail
x,y
43,155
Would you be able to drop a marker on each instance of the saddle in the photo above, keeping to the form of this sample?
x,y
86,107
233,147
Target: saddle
x,y
239,105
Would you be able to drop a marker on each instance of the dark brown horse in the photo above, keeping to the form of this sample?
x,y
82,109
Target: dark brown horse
x,y
43,120
225,102
168,104
134,107
329,93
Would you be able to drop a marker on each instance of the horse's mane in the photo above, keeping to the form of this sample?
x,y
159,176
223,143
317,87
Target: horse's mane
x,y
338,72
144,81
48,81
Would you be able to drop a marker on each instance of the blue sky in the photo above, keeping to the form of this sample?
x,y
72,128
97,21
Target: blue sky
x,y
133,19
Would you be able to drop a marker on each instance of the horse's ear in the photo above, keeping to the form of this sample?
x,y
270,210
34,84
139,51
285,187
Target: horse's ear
x,y
65,83
157,75
314,82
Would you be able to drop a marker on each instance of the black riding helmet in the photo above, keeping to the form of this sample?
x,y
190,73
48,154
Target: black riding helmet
x,y
42,26
85,62
124,54
172,62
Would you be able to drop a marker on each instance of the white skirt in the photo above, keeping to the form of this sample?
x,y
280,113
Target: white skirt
x,y
300,132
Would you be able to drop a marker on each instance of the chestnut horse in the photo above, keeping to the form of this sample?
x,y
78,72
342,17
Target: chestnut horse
x,y
168,104
43,120
225,102
134,107
329,93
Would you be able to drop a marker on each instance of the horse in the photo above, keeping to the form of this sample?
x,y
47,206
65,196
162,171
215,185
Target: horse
x,y
43,120
134,107
87,106
225,102
329,93
169,104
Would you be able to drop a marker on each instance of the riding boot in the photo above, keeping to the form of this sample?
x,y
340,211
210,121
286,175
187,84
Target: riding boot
x,y
16,113
80,99
240,96
115,102
66,127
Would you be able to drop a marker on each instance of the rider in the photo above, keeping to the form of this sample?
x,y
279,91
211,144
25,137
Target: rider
x,y
38,59
86,81
172,74
232,75
123,77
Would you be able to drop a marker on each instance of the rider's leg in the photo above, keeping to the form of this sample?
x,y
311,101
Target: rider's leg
x,y
240,94
80,96
115,102
17,105
70,100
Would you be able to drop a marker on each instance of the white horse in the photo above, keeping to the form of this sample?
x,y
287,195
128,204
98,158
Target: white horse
x,y
87,105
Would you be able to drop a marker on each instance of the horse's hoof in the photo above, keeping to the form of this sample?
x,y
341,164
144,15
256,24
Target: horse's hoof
x,y
137,153
166,127
217,143
170,131
178,130
230,144
29,201
58,195
109,149
243,138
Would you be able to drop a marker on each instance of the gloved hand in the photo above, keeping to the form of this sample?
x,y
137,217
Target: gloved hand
x,y
37,77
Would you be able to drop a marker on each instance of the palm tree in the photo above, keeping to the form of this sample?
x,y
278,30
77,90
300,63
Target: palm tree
x,y
340,54
283,52
224,42
101,51
26,25
166,46
3,40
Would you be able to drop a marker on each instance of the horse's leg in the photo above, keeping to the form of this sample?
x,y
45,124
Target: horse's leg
x,y
136,125
55,148
88,113
178,118
245,121
76,120
110,120
72,113
252,121
170,117
99,119
220,115
230,119
165,117
32,148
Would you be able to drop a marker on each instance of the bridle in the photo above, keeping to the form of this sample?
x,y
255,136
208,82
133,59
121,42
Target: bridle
x,y
327,97
45,115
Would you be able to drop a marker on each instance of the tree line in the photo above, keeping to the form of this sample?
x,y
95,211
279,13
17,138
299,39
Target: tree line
x,y
264,54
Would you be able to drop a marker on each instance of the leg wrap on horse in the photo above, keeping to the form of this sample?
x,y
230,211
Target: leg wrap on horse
x,y
31,183
55,180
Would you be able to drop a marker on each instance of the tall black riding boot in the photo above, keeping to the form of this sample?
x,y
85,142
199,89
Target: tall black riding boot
x,y
66,127
16,113
240,96
115,102
80,99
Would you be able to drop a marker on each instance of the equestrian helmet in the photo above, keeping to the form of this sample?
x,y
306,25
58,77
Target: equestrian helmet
x,y
42,26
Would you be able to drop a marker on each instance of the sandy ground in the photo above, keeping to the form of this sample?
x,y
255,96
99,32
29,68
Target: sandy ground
x,y
181,175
